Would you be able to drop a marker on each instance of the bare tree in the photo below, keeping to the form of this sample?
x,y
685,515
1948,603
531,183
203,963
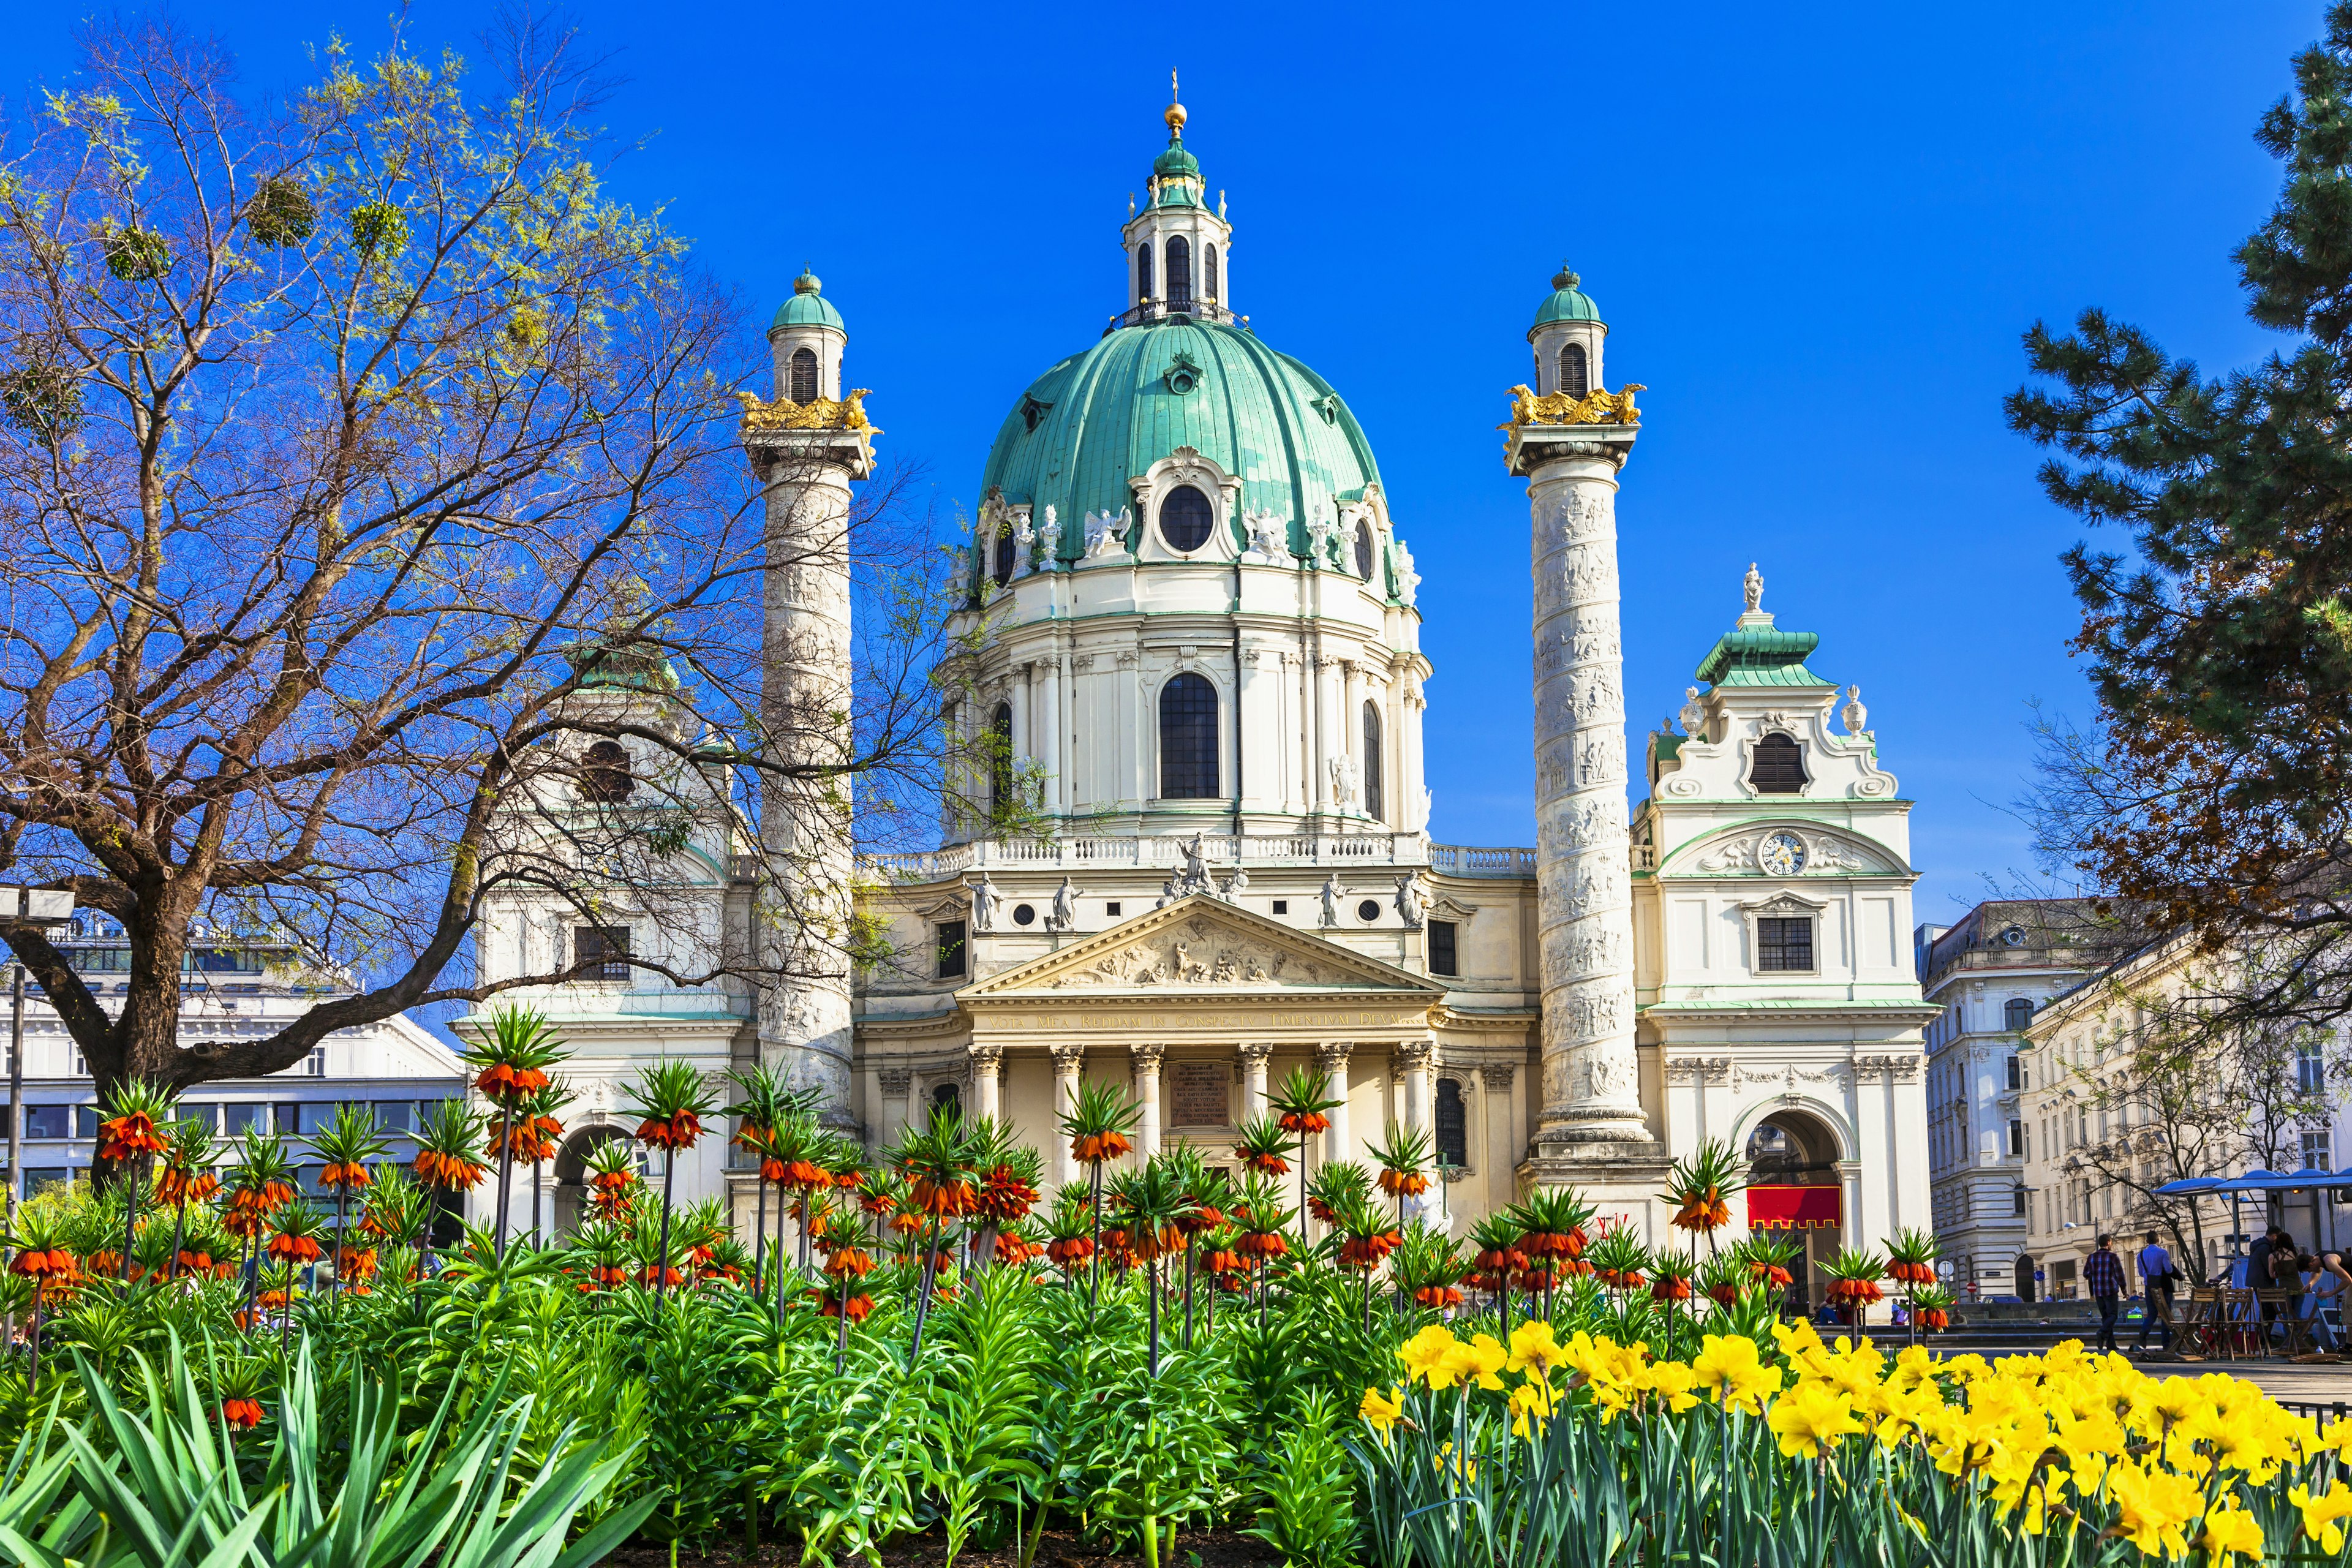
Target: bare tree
x,y
351,444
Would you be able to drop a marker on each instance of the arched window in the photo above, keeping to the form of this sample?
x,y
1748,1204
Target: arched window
x,y
1143,271
1180,273
804,376
1372,760
1453,1125
1000,761
1574,379
1364,550
1209,270
1003,553
1188,739
605,775
2015,1014
947,1100
1185,518
1779,767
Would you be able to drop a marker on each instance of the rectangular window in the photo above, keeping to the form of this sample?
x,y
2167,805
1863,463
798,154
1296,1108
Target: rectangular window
x,y
1111,908
318,1062
604,950
242,1116
2016,1137
1442,958
2319,1151
952,945
1785,945
396,1115
48,1121
85,1120
2020,1200
1452,1124
1282,906
287,1117
2310,1068
2016,1073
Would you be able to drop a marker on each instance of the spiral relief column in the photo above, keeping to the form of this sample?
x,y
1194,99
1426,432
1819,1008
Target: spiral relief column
x,y
806,447
1569,441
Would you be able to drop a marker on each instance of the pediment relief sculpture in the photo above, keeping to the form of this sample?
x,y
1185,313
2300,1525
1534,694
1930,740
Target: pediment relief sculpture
x,y
1202,943
1788,851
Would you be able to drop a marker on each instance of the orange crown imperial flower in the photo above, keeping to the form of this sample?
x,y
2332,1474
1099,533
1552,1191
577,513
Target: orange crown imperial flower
x,y
855,1308
678,1132
127,1136
1403,1184
1304,1121
294,1248
351,1176
1088,1148
243,1414
504,1081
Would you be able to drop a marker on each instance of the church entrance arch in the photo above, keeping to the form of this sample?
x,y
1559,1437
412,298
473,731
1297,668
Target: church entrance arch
x,y
1793,1187
570,1194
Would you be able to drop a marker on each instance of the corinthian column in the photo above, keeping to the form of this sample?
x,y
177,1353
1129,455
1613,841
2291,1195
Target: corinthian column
x,y
1068,1062
1590,1092
1146,1095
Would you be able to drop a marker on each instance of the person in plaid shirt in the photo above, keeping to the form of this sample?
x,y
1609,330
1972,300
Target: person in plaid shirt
x,y
2102,1277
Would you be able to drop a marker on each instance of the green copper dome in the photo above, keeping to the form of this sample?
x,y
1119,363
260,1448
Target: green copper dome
x,y
1568,303
1099,418
807,307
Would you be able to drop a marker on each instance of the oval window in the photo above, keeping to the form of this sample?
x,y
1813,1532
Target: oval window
x,y
1364,550
1185,519
1368,911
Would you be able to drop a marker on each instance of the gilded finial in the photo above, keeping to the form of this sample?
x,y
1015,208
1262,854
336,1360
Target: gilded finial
x,y
1175,115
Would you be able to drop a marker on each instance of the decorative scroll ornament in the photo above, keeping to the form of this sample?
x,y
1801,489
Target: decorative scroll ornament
x,y
1596,408
819,413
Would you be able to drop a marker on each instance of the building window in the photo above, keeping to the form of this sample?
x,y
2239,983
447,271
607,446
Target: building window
x,y
1185,518
2310,1068
1785,945
1188,739
2017,1195
2016,1138
1372,802
239,1117
2016,1073
1442,950
1574,379
1180,273
951,964
318,1068
2015,1013
604,777
1000,762
48,1121
604,951
804,375
1143,271
1778,766
2319,1151
1364,550
947,1098
1003,573
1209,270
1453,1125
85,1120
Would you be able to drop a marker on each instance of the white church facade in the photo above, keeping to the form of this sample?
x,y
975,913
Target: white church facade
x,y
1193,618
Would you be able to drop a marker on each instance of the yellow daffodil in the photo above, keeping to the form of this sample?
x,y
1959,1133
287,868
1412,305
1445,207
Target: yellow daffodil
x,y
1425,1356
1672,1382
1809,1417
2153,1507
2231,1533
2321,1514
1381,1411
1534,1349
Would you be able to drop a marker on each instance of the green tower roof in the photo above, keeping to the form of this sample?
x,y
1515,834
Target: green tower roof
x,y
808,307
1568,303
1756,653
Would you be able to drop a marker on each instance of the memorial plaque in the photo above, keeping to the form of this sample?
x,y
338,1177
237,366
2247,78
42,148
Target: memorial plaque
x,y
1201,1093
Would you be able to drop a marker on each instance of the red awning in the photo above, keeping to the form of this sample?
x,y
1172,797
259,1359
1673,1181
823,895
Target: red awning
x,y
1795,1208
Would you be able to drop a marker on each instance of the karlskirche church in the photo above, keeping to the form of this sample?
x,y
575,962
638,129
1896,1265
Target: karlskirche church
x,y
1194,623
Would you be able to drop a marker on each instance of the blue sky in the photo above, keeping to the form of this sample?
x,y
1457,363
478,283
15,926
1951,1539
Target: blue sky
x,y
1815,233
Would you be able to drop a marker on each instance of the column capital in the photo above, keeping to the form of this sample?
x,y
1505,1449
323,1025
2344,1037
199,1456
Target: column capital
x,y
1256,1053
1147,1057
1497,1079
1331,1055
987,1058
1068,1058
1413,1054
895,1080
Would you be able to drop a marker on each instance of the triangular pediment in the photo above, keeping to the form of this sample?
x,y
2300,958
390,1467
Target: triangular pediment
x,y
1206,946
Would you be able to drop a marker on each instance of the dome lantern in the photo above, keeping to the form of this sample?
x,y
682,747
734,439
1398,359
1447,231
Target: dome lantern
x,y
1176,246
1567,338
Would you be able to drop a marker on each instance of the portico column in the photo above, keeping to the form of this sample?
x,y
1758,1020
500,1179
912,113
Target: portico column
x,y
1255,1054
987,1080
1068,1060
1147,1093
895,1083
1332,1057
1413,1074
